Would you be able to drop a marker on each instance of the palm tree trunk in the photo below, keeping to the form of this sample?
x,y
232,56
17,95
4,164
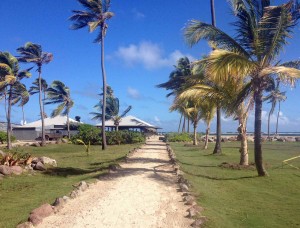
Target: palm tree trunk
x,y
188,125
195,142
218,149
269,117
68,125
180,122
244,160
104,89
183,125
206,136
212,12
41,107
257,135
9,145
23,113
277,117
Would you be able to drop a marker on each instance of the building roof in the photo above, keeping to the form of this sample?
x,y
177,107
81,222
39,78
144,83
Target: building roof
x,y
49,122
129,121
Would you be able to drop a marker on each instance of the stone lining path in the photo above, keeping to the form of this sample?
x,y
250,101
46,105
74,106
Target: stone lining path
x,y
143,193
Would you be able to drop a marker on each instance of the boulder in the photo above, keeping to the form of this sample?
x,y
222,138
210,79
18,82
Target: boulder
x,y
17,170
58,204
281,139
290,139
297,139
48,161
5,170
39,166
224,140
194,210
199,222
74,194
64,140
184,187
189,200
36,144
37,215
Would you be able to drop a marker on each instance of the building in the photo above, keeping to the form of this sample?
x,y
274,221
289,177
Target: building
x,y
131,123
32,131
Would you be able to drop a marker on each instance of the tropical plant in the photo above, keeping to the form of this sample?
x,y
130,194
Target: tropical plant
x,y
112,111
11,75
33,53
88,134
34,89
20,96
176,83
95,16
262,31
273,97
59,94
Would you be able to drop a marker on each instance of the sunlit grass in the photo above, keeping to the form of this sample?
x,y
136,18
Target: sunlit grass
x,y
238,198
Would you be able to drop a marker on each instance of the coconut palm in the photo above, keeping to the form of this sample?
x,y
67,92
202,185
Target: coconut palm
x,y
34,89
59,94
273,97
176,82
112,111
262,31
20,96
10,79
33,53
95,16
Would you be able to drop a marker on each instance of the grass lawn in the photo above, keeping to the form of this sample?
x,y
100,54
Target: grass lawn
x,y
20,194
238,198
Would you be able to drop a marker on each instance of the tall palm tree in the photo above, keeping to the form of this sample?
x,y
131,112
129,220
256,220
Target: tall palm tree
x,y
262,31
95,16
176,82
33,53
35,88
112,111
273,97
20,97
10,78
59,94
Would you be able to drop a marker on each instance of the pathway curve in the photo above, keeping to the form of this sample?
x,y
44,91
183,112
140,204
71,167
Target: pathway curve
x,y
141,194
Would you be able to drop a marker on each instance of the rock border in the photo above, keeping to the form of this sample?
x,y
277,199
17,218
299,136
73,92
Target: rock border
x,y
37,215
194,212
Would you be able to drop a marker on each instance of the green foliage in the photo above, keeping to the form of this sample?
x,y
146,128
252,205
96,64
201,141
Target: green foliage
x,y
124,137
179,137
88,134
86,146
3,137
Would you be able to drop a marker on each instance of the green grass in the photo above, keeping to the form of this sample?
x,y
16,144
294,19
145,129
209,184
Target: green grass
x,y
20,194
238,198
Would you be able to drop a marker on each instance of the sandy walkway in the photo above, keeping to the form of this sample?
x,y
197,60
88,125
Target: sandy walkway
x,y
142,194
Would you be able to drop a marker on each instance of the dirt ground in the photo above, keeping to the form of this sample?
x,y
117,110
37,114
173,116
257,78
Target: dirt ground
x,y
143,193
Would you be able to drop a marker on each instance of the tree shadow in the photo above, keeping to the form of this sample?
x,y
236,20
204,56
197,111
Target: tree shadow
x,y
69,171
203,166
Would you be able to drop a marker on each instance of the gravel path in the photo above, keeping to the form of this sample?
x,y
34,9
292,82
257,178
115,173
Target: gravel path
x,y
141,194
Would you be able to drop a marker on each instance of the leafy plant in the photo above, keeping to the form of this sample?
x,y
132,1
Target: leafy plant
x,y
87,146
88,134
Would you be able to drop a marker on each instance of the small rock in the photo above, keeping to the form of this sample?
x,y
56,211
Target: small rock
x,y
37,215
48,161
82,186
189,200
194,210
114,167
66,198
17,170
5,170
39,166
58,204
199,222
25,225
297,139
184,187
36,144
74,194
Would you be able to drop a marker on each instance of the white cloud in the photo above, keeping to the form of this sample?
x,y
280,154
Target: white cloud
x,y
133,93
137,14
149,54
283,120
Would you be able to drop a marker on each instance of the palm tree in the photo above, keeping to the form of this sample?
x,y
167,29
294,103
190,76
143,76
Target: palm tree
x,y
274,97
95,16
262,31
33,53
112,111
20,97
59,94
176,82
34,89
10,78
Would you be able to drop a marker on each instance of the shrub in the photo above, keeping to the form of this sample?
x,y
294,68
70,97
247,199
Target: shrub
x,y
88,134
124,137
178,137
3,137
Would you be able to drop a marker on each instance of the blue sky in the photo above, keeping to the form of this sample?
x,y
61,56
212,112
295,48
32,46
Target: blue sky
x,y
143,42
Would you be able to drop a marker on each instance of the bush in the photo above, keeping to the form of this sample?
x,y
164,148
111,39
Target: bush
x,y
124,137
3,137
88,134
178,137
